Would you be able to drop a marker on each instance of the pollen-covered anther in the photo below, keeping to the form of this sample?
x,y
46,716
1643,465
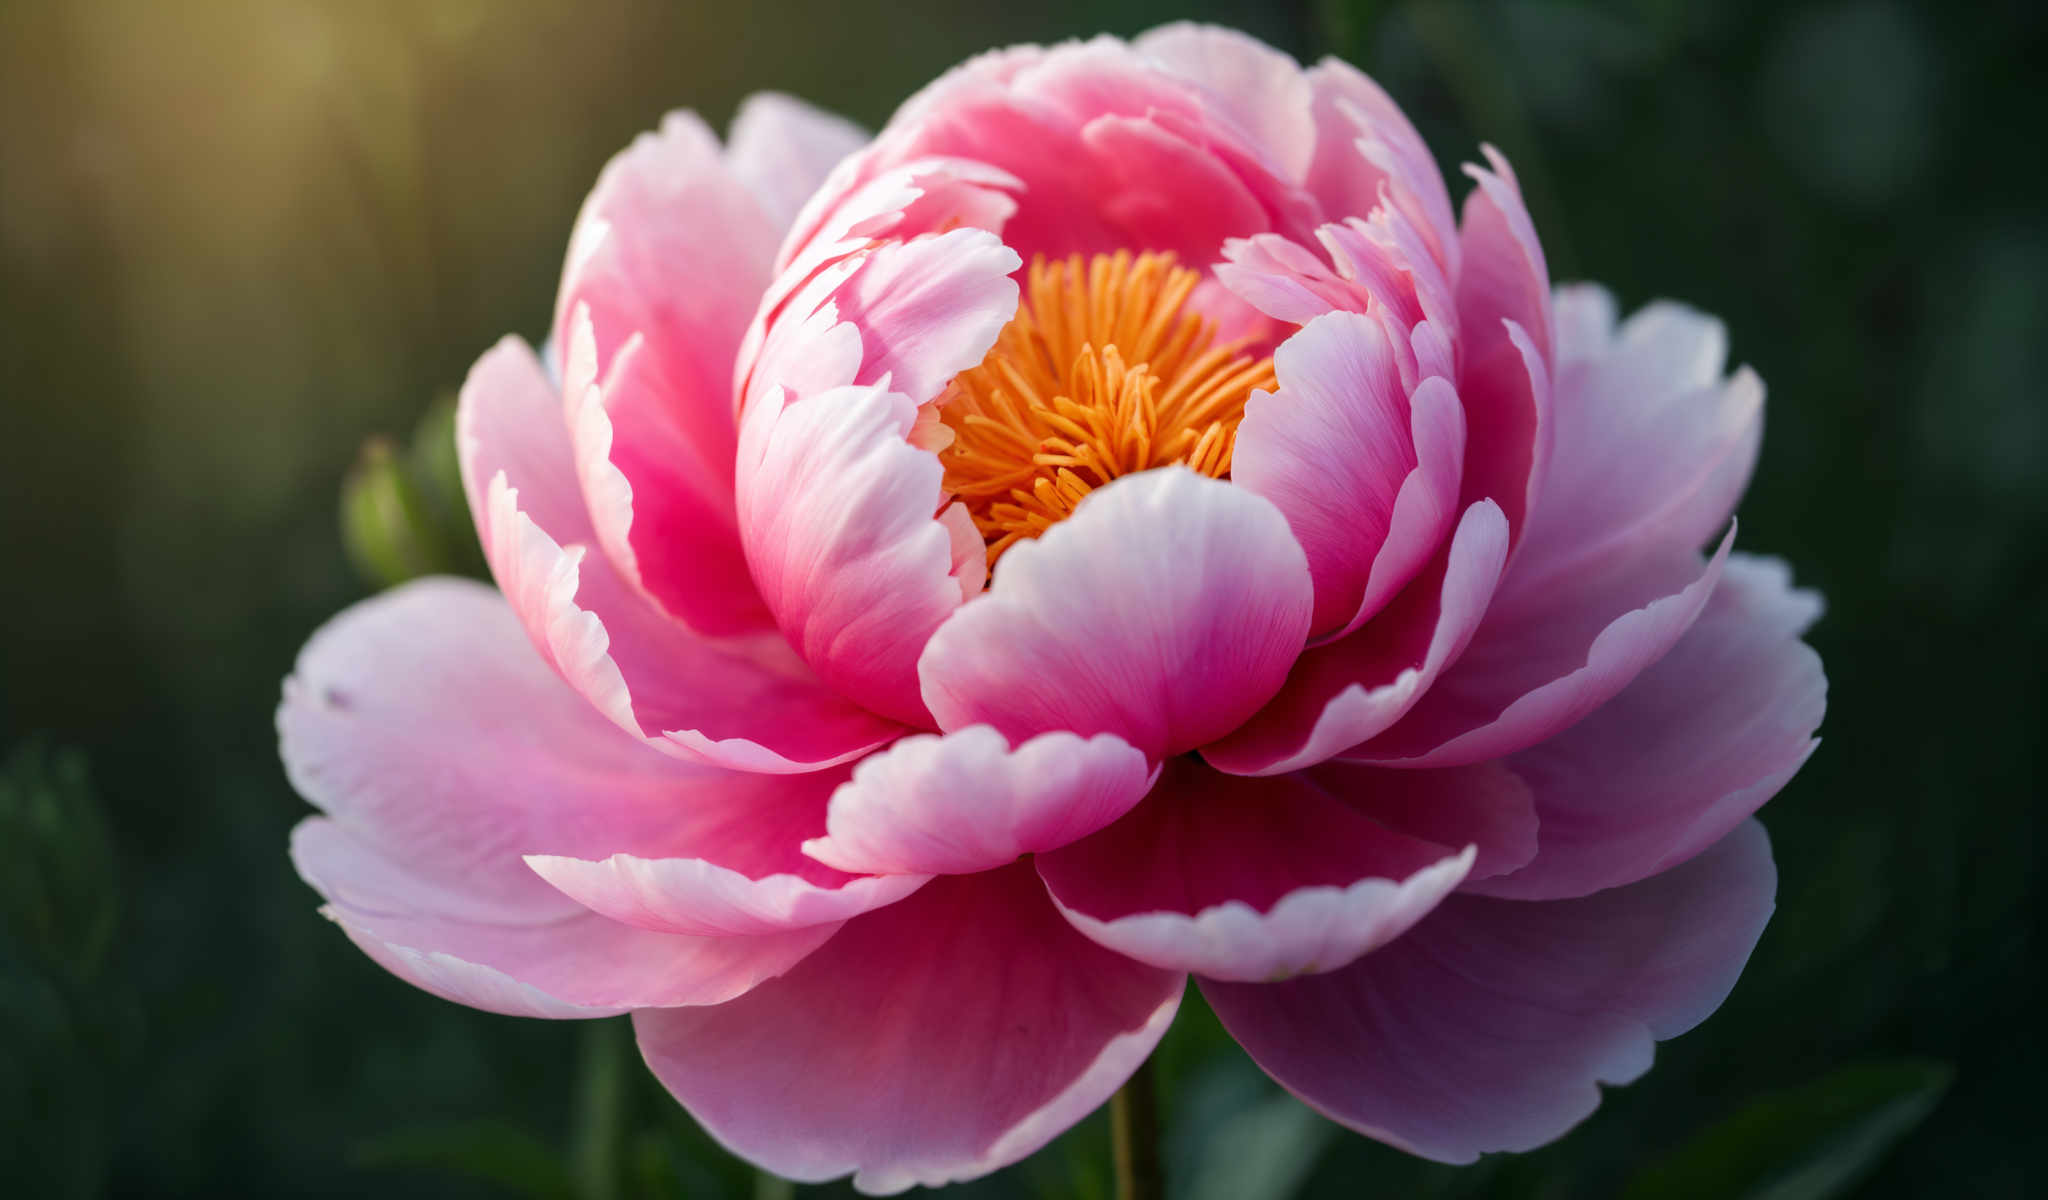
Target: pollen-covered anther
x,y
1104,371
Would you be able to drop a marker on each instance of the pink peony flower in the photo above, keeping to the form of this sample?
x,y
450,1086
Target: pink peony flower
x,y
1116,524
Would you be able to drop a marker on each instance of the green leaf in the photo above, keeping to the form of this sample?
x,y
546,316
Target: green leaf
x,y
1809,1143
1237,1137
493,1151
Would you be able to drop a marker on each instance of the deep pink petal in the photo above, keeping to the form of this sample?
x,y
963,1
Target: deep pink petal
x,y
1491,1025
1339,694
781,149
1686,752
1248,879
729,860
1365,143
1546,657
934,1040
1338,447
658,449
836,512
1484,805
661,512
442,750
1654,445
1508,345
747,703
1165,611
967,802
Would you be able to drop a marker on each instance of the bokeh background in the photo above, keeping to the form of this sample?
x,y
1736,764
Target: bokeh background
x,y
237,239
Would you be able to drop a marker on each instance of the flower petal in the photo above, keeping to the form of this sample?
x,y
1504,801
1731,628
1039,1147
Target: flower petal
x,y
1546,657
661,512
836,512
729,861
441,750
1653,446
746,703
1339,448
1683,754
1249,879
781,149
1484,805
1341,693
967,802
1364,143
1492,1023
666,208
932,1041
1260,89
1165,611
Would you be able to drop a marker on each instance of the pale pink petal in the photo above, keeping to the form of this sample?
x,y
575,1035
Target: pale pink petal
x,y
572,963
663,515
1248,879
1338,448
967,802
1654,445
747,703
1542,661
1341,693
442,750
1493,1023
1484,805
781,149
836,512
1684,753
1165,611
1260,89
729,860
931,1041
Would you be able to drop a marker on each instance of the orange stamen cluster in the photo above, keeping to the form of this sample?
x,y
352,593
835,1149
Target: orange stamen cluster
x,y
1103,372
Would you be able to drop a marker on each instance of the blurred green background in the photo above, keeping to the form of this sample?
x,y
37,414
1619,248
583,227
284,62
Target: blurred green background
x,y
236,239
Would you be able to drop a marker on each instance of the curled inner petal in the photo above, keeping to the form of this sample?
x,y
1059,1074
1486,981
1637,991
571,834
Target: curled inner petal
x,y
1105,371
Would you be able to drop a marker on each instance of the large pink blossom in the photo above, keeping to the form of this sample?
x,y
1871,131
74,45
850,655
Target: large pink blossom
x,y
1121,522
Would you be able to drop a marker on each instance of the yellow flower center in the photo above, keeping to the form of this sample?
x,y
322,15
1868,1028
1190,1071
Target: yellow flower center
x,y
1103,372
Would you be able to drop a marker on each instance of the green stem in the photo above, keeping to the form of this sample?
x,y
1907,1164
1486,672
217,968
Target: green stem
x,y
1134,1137
597,1142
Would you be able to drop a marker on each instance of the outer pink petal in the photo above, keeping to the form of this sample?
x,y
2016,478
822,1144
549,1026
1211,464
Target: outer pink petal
x,y
836,512
1653,447
935,1040
967,802
442,750
1257,87
728,861
1339,448
1248,879
1165,611
1686,752
929,308
1493,1023
781,149
744,703
1485,805
1339,694
1541,662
